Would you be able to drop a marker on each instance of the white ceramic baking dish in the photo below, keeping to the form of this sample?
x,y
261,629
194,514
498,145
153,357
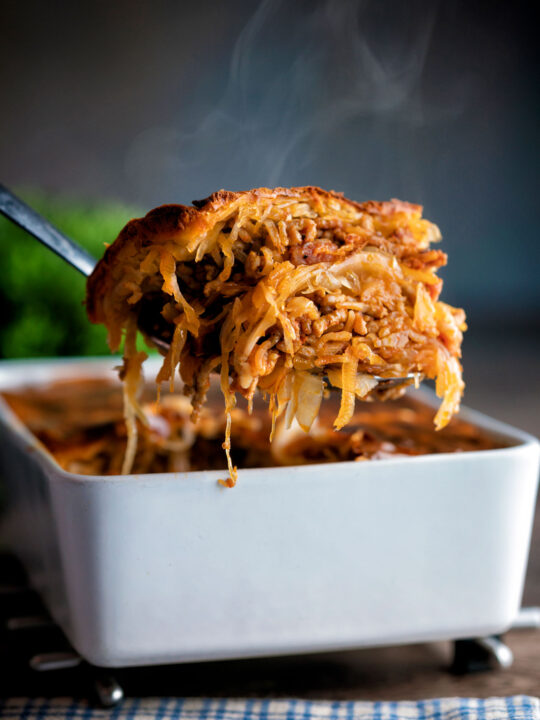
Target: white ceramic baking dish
x,y
172,567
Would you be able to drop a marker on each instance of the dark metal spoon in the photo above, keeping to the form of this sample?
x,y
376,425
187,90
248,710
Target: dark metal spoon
x,y
18,212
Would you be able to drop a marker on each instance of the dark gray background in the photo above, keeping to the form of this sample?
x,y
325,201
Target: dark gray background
x,y
166,101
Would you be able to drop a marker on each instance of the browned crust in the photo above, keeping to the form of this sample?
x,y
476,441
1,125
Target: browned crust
x,y
164,220
173,220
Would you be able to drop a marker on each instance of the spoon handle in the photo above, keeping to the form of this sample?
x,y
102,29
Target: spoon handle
x,y
31,221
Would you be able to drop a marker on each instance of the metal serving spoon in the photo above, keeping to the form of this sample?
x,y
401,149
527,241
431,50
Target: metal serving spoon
x,y
18,212
36,225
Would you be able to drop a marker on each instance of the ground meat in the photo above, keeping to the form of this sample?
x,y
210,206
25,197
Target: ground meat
x,y
320,250
426,260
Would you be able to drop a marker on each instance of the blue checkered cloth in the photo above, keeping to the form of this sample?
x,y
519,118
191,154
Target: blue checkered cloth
x,y
495,708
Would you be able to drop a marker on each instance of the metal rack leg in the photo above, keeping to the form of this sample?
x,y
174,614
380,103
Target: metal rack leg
x,y
108,691
487,653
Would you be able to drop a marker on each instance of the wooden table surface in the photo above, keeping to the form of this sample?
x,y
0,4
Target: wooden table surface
x,y
502,381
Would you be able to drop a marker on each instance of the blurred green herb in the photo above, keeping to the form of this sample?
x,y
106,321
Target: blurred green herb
x,y
41,310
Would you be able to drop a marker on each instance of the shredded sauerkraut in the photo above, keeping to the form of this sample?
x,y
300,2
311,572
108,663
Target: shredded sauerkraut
x,y
281,291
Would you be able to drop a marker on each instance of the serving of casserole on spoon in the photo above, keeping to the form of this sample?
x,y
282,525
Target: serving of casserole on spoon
x,y
281,291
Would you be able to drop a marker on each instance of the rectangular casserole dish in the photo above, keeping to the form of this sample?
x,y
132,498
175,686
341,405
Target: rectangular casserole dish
x,y
164,568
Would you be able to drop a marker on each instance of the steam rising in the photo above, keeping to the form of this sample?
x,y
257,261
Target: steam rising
x,y
330,95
